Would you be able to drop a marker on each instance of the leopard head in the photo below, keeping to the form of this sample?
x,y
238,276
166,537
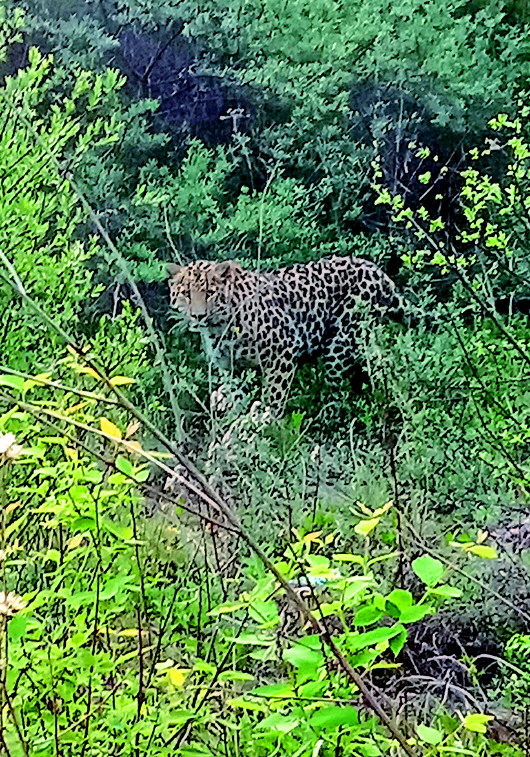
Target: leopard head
x,y
200,291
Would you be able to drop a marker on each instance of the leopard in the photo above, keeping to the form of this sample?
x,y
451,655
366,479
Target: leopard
x,y
275,320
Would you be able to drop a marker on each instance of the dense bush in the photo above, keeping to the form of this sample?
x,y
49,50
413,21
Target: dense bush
x,y
341,76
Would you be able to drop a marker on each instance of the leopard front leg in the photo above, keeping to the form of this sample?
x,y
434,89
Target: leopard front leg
x,y
343,355
226,393
277,379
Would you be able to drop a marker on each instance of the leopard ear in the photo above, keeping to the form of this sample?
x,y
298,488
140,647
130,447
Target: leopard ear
x,y
224,269
172,269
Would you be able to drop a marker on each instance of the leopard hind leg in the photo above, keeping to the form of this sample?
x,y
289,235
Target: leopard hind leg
x,y
343,354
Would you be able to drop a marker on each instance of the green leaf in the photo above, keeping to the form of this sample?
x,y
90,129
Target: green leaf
x,y
313,689
330,608
273,690
400,598
227,608
365,658
477,722
204,667
397,601
235,675
264,613
82,598
83,524
121,381
13,527
53,554
319,565
125,466
482,550
348,557
354,587
333,717
382,665
429,735
142,474
444,590
398,642
365,616
369,638
122,532
178,717
301,656
13,382
277,722
17,627
365,527
93,476
113,586
428,569
253,639
415,613
243,704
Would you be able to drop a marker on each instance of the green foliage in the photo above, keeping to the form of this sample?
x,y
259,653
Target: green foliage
x,y
40,213
10,29
518,679
305,60
81,644
102,646
310,55
193,207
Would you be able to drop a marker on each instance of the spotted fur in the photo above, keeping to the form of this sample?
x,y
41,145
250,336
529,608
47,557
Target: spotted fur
x,y
276,319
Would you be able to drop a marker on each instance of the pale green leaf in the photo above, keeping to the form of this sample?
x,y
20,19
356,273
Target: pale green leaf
x,y
430,735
